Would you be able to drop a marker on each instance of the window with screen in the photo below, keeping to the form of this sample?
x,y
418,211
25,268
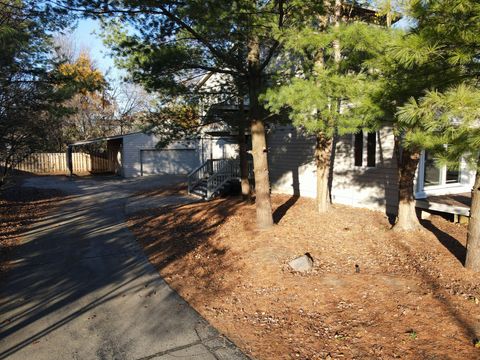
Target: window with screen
x,y
358,148
371,149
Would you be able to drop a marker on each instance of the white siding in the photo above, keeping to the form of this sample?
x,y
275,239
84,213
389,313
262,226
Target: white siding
x,y
133,143
293,170
169,161
223,148
362,186
291,164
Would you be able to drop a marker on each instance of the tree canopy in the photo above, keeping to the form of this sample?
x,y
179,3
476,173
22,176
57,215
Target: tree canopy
x,y
173,43
27,89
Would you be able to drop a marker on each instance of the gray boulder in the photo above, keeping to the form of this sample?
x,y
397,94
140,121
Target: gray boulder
x,y
302,263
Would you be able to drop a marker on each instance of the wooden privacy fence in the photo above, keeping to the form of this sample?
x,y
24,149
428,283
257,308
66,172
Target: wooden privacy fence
x,y
56,163
103,162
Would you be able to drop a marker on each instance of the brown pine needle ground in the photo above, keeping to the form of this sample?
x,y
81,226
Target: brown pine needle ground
x,y
411,300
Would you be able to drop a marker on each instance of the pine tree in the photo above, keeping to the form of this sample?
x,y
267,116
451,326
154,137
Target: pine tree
x,y
175,41
410,67
452,132
405,65
327,92
439,54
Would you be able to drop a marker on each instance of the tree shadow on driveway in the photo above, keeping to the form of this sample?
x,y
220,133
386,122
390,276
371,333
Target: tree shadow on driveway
x,y
80,286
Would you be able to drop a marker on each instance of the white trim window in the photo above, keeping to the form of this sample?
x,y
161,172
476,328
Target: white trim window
x,y
440,180
435,175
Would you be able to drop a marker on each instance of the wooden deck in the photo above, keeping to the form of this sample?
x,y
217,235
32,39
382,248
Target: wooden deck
x,y
457,204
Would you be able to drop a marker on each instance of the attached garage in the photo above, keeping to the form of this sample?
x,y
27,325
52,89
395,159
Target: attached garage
x,y
141,157
136,154
168,161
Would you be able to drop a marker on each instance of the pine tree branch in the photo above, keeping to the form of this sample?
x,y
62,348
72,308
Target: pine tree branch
x,y
163,11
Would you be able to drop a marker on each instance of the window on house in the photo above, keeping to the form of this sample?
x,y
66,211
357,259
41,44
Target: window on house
x,y
431,171
371,148
438,175
358,148
452,176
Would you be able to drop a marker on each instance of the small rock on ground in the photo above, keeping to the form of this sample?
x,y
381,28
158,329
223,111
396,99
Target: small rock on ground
x,y
302,263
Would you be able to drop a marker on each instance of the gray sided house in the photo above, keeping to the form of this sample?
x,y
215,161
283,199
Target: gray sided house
x,y
363,167
364,171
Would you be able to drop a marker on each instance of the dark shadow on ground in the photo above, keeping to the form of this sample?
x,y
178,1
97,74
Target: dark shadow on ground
x,y
433,283
49,273
280,211
450,243
20,207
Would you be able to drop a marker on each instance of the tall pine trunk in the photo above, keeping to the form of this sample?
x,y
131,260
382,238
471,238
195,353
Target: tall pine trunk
x,y
407,219
323,153
473,238
323,148
259,144
242,145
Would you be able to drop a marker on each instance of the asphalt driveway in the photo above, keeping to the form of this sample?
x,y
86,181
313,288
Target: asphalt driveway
x,y
81,287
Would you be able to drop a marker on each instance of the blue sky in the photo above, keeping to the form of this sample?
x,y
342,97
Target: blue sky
x,y
85,38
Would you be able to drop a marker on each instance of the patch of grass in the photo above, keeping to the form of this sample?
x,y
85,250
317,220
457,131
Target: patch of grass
x,y
474,299
412,334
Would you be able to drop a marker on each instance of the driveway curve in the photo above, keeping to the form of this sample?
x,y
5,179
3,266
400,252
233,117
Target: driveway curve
x,y
81,287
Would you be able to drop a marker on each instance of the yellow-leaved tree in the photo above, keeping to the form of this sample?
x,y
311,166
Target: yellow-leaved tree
x,y
88,109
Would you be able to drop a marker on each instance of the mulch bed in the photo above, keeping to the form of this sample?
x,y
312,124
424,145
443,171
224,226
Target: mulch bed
x,y
20,207
412,298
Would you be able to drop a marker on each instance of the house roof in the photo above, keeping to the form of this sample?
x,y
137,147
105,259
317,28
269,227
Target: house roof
x,y
106,138
367,12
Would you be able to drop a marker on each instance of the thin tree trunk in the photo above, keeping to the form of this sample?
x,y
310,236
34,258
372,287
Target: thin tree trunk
x,y
323,149
7,168
242,144
389,14
336,42
473,237
3,175
323,152
407,219
259,143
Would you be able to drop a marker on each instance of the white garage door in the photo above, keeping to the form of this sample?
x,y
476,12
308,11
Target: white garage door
x,y
175,161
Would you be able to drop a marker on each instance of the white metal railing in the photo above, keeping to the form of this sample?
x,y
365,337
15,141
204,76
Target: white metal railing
x,y
204,171
216,172
197,175
223,170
